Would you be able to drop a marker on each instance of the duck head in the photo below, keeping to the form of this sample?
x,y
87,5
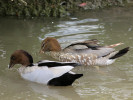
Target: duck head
x,y
50,44
20,57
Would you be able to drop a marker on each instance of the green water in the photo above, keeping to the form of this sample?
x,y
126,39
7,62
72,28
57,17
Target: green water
x,y
114,82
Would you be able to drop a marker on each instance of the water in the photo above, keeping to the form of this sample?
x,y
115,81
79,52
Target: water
x,y
114,82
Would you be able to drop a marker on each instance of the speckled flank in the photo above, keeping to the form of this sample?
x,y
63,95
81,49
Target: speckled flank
x,y
85,59
87,53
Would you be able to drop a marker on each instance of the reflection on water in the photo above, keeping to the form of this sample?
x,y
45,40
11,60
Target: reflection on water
x,y
60,93
110,26
75,27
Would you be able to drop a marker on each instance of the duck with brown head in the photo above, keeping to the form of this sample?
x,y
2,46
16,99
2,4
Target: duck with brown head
x,y
21,57
50,44
44,72
88,53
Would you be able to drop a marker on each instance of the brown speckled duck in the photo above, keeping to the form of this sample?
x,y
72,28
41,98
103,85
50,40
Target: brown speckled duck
x,y
87,53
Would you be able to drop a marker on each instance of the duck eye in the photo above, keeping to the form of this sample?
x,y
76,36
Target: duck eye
x,y
43,44
12,58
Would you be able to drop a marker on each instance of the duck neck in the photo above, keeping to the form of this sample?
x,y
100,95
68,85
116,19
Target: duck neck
x,y
30,65
27,60
54,54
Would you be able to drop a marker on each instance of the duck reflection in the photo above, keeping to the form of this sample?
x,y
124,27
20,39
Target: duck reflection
x,y
60,93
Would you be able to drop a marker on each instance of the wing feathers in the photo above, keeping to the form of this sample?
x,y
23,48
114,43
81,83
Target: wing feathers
x,y
56,64
57,68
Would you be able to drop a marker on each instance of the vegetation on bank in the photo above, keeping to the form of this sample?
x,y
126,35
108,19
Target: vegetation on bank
x,y
52,8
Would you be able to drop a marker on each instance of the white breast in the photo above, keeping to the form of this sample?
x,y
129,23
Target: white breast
x,y
43,74
36,74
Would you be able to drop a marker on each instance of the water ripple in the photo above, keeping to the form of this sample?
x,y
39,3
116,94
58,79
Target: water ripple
x,y
75,28
81,21
104,92
2,52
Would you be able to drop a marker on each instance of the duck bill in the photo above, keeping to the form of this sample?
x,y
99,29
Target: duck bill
x,y
10,65
41,51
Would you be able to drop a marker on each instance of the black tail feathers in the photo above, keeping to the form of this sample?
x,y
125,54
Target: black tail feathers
x,y
120,53
77,76
64,80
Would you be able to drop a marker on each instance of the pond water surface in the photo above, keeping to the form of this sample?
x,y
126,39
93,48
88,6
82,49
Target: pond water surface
x,y
113,82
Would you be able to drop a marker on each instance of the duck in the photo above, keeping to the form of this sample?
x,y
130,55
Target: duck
x,y
86,53
47,72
